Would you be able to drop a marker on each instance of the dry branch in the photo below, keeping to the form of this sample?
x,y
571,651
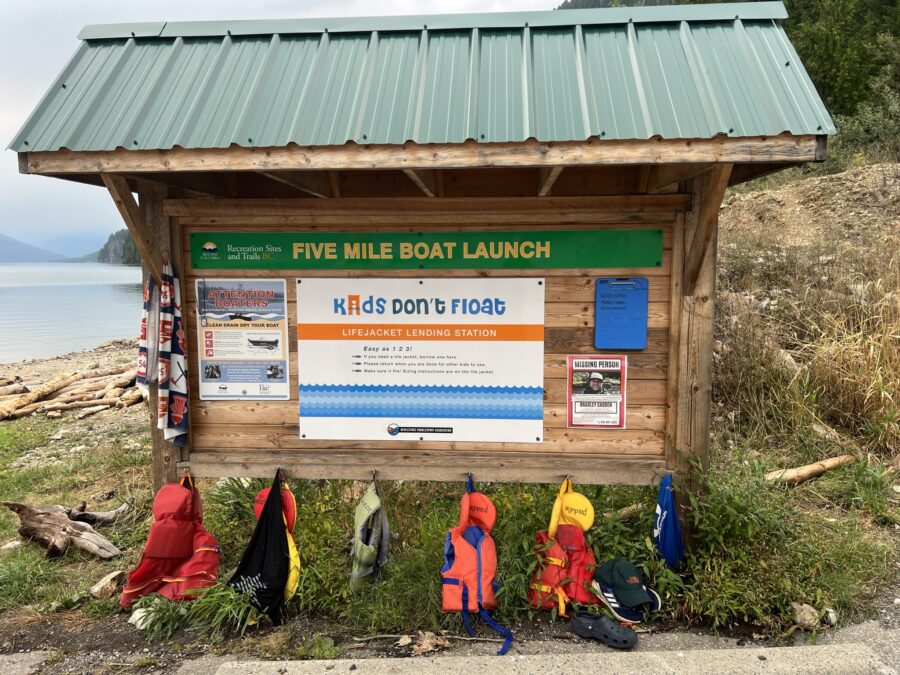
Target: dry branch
x,y
79,514
625,512
802,473
51,527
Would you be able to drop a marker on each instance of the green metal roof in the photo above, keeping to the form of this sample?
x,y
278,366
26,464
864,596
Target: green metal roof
x,y
683,71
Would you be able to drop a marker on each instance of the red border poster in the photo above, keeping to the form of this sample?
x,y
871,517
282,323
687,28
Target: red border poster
x,y
596,387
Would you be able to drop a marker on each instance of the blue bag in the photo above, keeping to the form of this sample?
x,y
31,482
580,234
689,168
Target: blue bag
x,y
666,529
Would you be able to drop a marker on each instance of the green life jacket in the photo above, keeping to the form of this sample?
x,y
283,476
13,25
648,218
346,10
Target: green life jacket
x,y
371,535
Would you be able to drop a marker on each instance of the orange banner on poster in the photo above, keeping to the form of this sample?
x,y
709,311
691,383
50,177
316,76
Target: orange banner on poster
x,y
394,331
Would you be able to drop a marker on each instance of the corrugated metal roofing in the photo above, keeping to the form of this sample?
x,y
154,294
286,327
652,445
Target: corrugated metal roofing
x,y
624,73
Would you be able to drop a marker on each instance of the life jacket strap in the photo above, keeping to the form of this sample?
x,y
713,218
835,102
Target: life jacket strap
x,y
561,596
483,613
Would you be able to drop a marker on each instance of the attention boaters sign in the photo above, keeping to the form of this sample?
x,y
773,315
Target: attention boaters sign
x,y
421,359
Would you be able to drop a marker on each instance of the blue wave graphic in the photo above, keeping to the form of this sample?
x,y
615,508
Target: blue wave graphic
x,y
416,388
457,402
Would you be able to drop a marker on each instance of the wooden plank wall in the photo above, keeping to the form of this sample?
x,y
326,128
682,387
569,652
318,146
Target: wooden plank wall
x,y
252,437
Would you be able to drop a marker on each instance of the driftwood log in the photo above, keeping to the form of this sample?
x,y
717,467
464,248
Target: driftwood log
x,y
56,528
130,397
7,408
16,388
67,388
803,473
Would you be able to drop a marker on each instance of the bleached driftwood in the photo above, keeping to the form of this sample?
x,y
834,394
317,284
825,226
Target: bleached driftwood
x,y
93,410
15,388
802,473
130,397
7,408
52,527
69,387
119,383
47,406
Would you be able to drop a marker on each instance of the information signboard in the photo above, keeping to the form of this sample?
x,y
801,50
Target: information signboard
x,y
242,339
421,359
530,249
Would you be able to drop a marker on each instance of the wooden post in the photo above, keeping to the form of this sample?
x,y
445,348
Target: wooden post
x,y
694,337
164,455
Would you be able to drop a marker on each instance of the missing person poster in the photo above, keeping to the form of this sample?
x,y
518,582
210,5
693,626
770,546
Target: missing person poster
x,y
421,359
597,390
242,333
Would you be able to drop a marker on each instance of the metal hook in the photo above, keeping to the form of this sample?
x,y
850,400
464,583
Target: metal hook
x,y
374,474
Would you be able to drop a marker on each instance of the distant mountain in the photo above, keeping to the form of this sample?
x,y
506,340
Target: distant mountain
x,y
13,250
90,257
75,244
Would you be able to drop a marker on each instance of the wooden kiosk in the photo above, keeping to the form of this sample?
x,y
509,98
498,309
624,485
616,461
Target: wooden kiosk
x,y
582,121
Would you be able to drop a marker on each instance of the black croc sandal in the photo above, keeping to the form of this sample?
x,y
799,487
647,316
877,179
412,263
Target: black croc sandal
x,y
600,627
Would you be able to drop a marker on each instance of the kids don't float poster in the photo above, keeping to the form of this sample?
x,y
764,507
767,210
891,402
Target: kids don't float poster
x,y
242,335
421,359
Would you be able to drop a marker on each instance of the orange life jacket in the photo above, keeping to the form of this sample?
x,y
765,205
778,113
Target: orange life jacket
x,y
470,564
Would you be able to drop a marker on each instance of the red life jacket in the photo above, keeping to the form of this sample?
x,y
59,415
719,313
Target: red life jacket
x,y
180,555
565,563
470,564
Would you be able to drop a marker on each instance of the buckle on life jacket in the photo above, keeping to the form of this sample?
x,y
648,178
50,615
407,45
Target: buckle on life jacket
x,y
561,596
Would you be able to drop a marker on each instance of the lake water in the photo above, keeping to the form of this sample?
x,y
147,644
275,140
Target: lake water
x,y
48,309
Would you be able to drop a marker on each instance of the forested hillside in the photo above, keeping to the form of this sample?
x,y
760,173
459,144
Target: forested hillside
x,y
119,249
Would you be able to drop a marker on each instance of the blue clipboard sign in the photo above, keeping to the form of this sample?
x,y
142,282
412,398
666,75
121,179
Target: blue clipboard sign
x,y
620,314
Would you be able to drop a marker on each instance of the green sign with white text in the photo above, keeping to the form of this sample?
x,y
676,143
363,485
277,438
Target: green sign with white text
x,y
527,249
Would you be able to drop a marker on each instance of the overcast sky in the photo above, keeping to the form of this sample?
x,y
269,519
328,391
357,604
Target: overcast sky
x,y
38,36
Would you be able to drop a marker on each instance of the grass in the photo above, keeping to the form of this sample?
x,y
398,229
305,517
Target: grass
x,y
27,578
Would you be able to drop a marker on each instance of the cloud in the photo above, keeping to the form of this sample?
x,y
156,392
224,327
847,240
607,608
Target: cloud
x,y
38,37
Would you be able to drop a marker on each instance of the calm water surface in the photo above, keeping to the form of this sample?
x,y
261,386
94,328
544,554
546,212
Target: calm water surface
x,y
48,309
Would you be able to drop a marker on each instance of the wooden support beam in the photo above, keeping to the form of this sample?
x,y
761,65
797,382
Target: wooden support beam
x,y
190,184
334,180
694,338
708,193
547,179
609,208
426,180
312,183
164,456
742,173
134,221
664,175
468,155
231,184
